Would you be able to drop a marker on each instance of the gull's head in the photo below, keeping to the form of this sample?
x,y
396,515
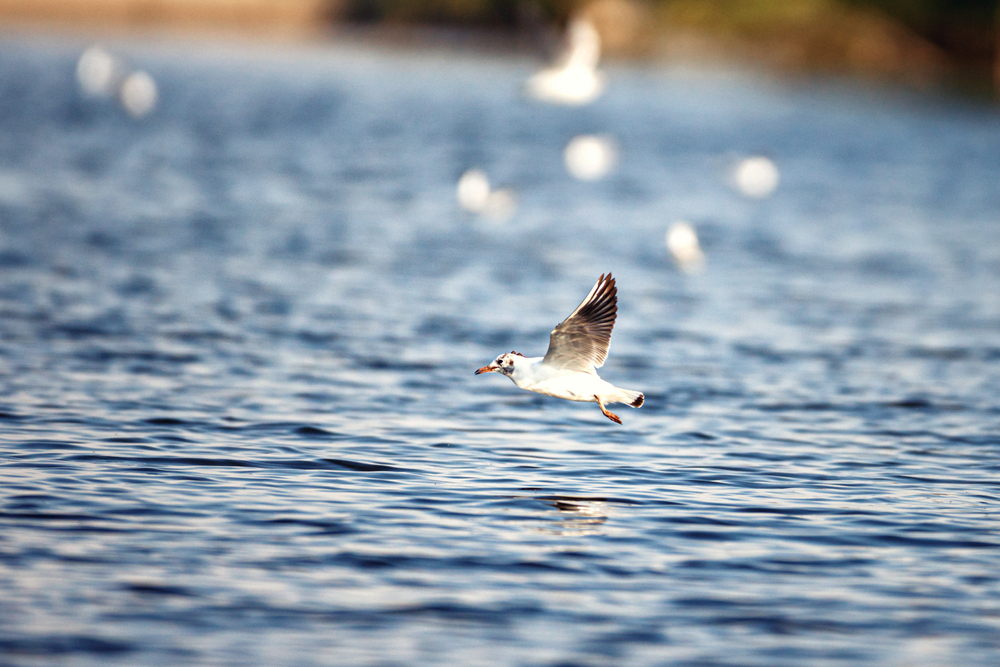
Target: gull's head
x,y
502,364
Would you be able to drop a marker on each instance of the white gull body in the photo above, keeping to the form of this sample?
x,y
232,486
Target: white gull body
x,y
577,348
574,78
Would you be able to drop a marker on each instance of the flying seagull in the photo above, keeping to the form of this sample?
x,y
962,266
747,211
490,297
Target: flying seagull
x,y
577,348
574,79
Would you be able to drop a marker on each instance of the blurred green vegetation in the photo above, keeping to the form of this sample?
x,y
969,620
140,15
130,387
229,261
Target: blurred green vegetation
x,y
469,12
965,28
955,41
925,16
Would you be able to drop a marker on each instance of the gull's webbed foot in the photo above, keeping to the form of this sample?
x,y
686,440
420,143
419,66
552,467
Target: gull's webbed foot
x,y
610,415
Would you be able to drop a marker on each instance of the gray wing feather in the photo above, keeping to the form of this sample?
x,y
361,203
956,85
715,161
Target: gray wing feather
x,y
581,341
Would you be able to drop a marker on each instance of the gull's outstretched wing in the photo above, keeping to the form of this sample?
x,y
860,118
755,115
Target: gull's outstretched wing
x,y
580,342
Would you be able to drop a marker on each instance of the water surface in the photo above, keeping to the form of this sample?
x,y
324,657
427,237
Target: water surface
x,y
239,423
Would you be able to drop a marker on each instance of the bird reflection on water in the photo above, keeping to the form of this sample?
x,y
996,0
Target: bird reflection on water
x,y
577,516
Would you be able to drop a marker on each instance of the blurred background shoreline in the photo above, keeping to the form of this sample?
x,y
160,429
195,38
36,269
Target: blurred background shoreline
x,y
926,44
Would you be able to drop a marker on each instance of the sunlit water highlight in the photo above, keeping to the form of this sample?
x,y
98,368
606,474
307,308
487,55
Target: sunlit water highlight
x,y
239,424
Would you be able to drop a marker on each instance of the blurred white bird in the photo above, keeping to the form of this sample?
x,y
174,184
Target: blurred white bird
x,y
98,72
756,177
590,157
475,194
138,94
574,78
577,348
682,241
102,75
473,190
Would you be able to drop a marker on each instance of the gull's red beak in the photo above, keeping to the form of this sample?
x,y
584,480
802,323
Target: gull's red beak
x,y
487,369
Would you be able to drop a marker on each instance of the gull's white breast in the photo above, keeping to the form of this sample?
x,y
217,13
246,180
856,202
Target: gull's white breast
x,y
575,387
534,375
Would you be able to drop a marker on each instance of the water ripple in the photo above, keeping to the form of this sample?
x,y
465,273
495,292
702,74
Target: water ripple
x,y
239,422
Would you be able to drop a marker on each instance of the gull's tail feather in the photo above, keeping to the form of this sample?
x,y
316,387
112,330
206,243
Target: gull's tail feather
x,y
633,398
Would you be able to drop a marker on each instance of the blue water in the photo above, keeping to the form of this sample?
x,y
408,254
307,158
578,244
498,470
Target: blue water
x,y
239,423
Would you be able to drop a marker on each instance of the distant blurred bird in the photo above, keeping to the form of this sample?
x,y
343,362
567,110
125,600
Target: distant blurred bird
x,y
473,190
475,194
590,157
756,177
682,241
577,348
138,94
98,72
102,75
574,78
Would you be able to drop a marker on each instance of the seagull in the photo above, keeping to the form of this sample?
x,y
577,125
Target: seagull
x,y
577,348
573,79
